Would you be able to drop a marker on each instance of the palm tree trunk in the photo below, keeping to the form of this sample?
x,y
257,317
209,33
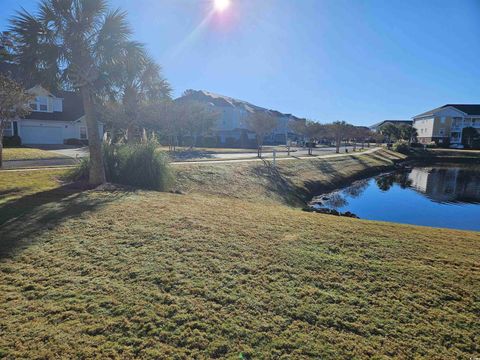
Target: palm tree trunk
x,y
1,143
130,133
97,171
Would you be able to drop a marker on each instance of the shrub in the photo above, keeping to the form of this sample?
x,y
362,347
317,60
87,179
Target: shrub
x,y
432,145
79,172
401,146
12,141
231,142
209,141
76,142
139,165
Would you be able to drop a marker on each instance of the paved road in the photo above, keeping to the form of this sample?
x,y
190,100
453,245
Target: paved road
x,y
73,152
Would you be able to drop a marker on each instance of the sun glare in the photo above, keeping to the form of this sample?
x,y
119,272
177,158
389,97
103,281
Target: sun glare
x,y
221,5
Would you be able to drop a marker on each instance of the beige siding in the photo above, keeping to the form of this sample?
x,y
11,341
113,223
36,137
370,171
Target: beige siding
x,y
442,128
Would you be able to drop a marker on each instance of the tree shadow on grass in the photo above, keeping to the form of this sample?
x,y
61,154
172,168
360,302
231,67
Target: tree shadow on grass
x,y
9,192
279,183
21,219
190,155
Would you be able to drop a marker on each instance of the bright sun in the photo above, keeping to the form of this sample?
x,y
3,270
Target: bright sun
x,y
221,5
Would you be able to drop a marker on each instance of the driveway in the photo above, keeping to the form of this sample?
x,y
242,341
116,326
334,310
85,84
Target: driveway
x,y
66,150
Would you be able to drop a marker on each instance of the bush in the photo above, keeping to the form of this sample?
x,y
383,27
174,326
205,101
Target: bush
x,y
12,141
76,142
231,142
401,146
139,165
432,145
209,141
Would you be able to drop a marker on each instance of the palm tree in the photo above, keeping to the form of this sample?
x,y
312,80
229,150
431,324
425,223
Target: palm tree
x,y
79,40
138,81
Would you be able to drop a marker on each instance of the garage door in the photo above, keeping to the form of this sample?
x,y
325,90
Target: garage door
x,y
41,134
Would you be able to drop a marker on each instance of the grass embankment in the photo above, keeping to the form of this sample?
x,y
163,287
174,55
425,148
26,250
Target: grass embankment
x,y
29,154
206,275
157,275
291,182
446,155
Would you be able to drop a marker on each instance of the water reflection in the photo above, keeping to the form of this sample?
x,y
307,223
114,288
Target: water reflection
x,y
402,178
447,184
440,184
442,196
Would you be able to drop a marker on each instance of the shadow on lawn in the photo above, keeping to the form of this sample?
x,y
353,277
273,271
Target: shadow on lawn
x,y
22,218
279,183
189,155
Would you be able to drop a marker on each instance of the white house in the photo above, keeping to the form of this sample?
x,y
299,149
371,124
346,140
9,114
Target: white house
x,y
444,125
53,119
233,113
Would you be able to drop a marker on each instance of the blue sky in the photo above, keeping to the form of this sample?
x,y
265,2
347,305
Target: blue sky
x,y
360,61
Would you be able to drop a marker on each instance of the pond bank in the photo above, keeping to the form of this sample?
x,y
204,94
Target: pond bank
x,y
291,183
445,155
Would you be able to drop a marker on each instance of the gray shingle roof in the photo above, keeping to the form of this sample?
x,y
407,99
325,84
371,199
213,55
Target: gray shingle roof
x,y
469,109
395,122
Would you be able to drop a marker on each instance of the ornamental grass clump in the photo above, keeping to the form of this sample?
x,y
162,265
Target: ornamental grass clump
x,y
138,165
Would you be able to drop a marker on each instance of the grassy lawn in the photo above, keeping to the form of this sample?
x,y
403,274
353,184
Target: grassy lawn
x,y
28,154
210,275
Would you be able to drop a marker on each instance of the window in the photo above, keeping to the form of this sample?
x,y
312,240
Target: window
x,y
442,120
40,104
442,131
83,133
8,129
43,103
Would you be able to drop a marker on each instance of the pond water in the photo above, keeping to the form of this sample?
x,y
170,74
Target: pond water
x,y
445,196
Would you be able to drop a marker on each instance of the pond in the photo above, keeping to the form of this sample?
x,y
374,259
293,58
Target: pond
x,y
445,196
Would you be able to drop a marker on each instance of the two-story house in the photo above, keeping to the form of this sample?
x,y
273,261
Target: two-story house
x,y
444,125
233,114
53,119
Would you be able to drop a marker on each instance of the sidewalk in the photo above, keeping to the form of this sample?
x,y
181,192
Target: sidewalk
x,y
59,165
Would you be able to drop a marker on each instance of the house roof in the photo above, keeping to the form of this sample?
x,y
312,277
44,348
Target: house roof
x,y
469,109
72,109
225,101
395,122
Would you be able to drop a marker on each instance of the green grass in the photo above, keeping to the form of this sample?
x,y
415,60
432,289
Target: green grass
x,y
204,275
29,154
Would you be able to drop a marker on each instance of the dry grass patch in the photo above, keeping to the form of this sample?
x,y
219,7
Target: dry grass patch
x,y
29,154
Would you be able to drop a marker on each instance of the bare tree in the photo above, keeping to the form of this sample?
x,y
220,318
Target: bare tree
x,y
199,119
310,130
337,131
13,104
262,123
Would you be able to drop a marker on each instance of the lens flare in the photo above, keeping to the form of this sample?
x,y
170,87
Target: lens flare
x,y
221,5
